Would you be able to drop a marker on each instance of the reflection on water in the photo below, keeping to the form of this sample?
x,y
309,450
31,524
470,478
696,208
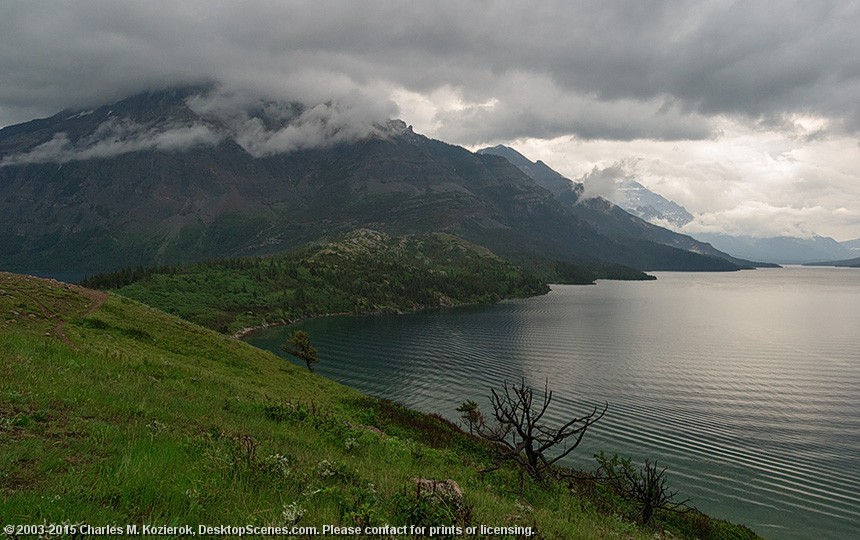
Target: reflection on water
x,y
745,385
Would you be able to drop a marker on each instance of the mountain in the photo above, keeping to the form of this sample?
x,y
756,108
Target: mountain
x,y
781,249
181,176
633,197
610,219
656,211
652,207
538,171
853,245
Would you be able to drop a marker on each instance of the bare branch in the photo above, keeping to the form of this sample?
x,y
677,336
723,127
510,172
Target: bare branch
x,y
519,434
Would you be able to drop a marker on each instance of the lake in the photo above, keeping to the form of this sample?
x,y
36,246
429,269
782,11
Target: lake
x,y
746,385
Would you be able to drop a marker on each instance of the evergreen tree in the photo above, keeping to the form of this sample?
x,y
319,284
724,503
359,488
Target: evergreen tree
x,y
300,347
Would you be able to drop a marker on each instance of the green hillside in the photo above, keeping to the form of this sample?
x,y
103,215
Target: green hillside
x,y
113,413
362,272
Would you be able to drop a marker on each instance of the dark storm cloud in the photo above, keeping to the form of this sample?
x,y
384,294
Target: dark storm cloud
x,y
617,70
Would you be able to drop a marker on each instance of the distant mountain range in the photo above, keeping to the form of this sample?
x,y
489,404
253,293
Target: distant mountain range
x,y
848,263
780,249
652,207
166,177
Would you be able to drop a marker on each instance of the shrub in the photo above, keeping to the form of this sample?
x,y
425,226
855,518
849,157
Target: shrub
x,y
645,487
432,503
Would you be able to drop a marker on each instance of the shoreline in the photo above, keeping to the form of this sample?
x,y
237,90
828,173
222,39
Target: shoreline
x,y
251,330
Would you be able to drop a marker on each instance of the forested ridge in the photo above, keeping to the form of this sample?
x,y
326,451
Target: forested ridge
x,y
362,272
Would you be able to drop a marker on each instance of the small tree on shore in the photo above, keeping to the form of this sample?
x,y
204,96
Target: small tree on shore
x,y
520,435
300,346
471,414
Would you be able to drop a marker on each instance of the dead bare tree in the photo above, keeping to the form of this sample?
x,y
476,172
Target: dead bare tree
x,y
520,435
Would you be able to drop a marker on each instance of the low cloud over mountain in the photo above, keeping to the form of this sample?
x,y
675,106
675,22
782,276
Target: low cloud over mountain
x,y
114,137
261,127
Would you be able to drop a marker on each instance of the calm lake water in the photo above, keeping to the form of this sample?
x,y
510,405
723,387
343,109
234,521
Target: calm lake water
x,y
745,385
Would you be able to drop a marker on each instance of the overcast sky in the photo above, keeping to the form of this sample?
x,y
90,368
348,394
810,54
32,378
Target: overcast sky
x,y
747,113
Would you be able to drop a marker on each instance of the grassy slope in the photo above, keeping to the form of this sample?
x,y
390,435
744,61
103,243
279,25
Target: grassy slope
x,y
118,413
362,272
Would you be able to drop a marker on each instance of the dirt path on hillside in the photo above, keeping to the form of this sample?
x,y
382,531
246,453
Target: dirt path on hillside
x,y
96,300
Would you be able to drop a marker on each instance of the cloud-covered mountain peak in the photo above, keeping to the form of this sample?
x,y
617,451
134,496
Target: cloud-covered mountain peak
x,y
180,119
